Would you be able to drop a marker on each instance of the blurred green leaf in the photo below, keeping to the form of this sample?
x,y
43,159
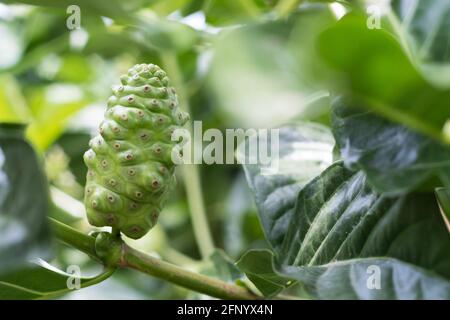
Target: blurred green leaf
x,y
24,232
395,158
378,71
161,34
425,25
224,12
51,114
267,73
13,107
43,281
74,68
109,8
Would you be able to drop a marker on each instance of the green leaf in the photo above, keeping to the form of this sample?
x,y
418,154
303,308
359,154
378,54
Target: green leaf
x,y
162,35
24,232
378,71
258,266
225,12
43,281
352,280
425,26
51,117
395,158
304,151
13,107
113,9
339,218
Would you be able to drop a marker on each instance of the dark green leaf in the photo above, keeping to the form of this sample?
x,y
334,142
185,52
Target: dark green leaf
x,y
258,266
395,158
42,281
338,218
352,280
24,232
304,151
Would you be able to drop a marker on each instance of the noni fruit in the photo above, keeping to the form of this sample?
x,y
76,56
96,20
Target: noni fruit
x,y
130,167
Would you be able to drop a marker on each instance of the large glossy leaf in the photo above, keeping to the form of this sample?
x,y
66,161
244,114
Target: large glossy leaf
x,y
338,218
40,280
378,71
395,158
24,233
304,151
425,25
349,280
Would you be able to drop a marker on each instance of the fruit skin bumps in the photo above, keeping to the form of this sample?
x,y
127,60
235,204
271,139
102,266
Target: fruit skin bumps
x,y
130,167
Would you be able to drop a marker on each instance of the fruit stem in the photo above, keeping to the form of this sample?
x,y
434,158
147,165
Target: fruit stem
x,y
134,259
191,173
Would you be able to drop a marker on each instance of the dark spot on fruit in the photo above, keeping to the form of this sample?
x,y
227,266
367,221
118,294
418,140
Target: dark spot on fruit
x,y
135,229
133,205
129,156
130,99
104,163
111,219
111,198
155,183
155,215
117,145
131,172
138,194
143,136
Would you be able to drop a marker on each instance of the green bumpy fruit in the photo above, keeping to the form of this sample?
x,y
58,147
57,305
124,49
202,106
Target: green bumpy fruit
x,y
130,167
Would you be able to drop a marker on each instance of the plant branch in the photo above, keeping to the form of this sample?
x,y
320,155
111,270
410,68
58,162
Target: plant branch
x,y
191,173
194,281
74,238
134,259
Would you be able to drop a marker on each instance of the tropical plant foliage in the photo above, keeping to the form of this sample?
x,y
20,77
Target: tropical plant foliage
x,y
360,91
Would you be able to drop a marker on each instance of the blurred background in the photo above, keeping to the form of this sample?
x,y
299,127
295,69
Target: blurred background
x,y
237,67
